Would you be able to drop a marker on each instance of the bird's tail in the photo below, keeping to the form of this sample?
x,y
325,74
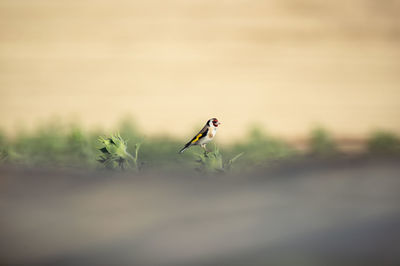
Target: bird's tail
x,y
184,148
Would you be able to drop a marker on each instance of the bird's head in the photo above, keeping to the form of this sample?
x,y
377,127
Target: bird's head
x,y
213,122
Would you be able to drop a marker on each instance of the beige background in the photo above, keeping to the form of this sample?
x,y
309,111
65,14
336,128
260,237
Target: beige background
x,y
173,64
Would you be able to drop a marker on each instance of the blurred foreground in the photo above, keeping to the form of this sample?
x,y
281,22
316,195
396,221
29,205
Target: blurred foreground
x,y
331,212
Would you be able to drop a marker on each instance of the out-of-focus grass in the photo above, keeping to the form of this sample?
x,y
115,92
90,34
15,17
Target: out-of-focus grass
x,y
259,149
321,143
52,144
58,145
383,143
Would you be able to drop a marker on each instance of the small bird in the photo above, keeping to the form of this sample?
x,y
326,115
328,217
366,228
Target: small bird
x,y
204,136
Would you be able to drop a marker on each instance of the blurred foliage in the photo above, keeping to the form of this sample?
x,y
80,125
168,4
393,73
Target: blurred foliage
x,y
57,145
383,143
259,149
3,148
322,143
53,144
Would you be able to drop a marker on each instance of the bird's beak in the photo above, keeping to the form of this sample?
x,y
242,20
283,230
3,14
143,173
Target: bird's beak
x,y
219,123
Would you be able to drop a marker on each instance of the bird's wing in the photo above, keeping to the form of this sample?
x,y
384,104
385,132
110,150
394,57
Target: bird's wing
x,y
202,133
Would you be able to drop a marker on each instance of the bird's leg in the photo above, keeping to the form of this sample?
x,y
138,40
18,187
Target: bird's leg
x,y
205,149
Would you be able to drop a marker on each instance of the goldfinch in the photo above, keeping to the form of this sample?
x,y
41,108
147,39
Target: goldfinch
x,y
204,136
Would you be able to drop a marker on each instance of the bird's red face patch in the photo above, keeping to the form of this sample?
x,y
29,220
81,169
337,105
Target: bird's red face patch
x,y
215,122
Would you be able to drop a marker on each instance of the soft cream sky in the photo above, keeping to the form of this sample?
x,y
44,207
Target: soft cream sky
x,y
173,64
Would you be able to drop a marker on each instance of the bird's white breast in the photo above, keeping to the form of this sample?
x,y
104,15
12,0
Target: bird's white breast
x,y
210,135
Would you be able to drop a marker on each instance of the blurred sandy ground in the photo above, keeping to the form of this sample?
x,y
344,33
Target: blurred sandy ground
x,y
315,213
285,64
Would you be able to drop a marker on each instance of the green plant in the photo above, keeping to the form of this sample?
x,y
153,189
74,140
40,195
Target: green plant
x,y
383,143
115,155
228,164
211,162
